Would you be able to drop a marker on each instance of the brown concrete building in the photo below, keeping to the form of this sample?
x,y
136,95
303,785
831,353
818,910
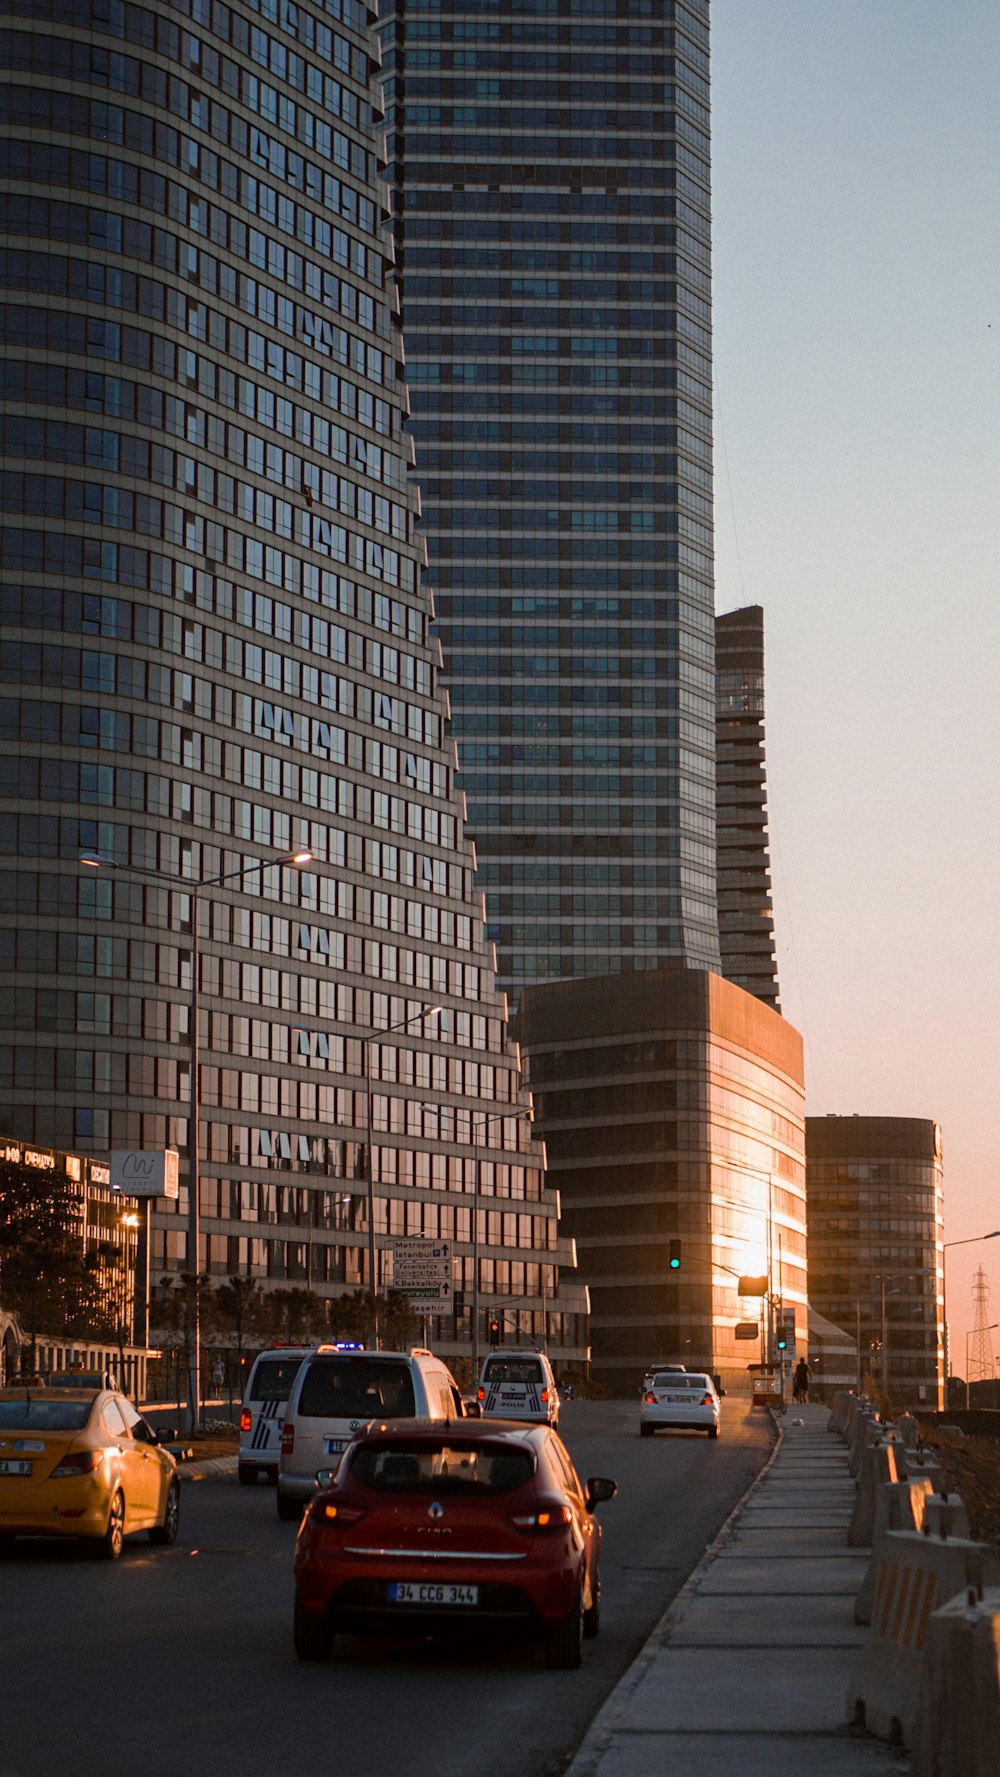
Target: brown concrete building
x,y
875,1246
671,1103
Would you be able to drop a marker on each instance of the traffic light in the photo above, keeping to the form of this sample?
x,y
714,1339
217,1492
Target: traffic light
x,y
494,1334
782,1339
675,1255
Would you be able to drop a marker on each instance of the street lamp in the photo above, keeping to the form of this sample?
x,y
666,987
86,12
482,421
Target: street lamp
x,y
973,1240
195,889
969,1335
482,1120
366,1046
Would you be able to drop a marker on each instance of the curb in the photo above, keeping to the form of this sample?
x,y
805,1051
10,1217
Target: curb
x,y
205,1471
598,1737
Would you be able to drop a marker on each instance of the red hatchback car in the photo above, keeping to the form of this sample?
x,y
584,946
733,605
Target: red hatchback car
x,y
455,1524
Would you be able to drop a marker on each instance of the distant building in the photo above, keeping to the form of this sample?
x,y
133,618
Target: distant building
x,y
746,912
875,1245
671,1103
551,192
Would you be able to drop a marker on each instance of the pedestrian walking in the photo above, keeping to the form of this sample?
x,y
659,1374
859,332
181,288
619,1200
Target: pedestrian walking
x,y
218,1375
800,1381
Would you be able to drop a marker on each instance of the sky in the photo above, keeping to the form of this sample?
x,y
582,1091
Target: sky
x,y
856,199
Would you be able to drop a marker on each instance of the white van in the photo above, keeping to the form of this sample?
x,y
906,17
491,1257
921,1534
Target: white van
x,y
263,1412
336,1393
519,1384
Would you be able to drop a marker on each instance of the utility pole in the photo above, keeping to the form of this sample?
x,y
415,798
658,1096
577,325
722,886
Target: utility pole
x,y
982,1344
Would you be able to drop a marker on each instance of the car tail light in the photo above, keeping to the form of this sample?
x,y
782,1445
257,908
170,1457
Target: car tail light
x,y
650,1400
246,1420
545,1394
706,1400
480,1394
287,1438
551,1515
78,1462
326,1511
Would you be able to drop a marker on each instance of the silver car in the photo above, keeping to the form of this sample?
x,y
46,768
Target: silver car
x,y
681,1400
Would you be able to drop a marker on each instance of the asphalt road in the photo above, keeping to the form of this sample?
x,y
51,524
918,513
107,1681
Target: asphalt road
x,y
180,1661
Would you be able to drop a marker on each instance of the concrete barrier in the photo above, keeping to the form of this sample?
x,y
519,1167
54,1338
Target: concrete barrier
x,y
945,1515
916,1576
908,1430
899,1505
868,1426
957,1731
839,1412
878,1466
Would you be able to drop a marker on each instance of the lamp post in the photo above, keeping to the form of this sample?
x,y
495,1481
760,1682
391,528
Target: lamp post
x,y
366,1046
195,889
482,1120
973,1240
970,1335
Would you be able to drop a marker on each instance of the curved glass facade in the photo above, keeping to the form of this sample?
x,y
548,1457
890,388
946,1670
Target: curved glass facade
x,y
215,649
550,164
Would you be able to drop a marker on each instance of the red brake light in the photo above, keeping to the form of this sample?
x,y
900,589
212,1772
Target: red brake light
x,y
650,1399
706,1400
480,1394
79,1462
327,1511
551,1515
287,1438
545,1394
246,1420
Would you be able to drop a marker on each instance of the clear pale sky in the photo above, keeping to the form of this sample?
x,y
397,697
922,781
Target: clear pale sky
x,y
856,176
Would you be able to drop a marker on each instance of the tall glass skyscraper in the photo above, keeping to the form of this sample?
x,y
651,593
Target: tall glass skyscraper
x,y
215,651
550,166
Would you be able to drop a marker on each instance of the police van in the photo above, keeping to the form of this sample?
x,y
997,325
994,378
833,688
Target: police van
x,y
519,1384
263,1412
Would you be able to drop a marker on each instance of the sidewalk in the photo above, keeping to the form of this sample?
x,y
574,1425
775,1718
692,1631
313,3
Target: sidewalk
x,y
747,1673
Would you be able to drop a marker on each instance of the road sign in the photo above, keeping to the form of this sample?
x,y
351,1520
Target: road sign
x,y
746,1329
421,1270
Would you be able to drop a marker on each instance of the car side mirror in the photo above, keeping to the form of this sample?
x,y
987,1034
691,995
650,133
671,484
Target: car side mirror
x,y
165,1434
473,1410
598,1491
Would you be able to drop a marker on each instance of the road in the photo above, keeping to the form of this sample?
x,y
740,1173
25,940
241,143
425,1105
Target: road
x,y
180,1661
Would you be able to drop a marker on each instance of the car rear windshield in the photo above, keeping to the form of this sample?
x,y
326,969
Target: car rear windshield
x,y
441,1468
513,1369
669,1379
272,1380
357,1388
38,1415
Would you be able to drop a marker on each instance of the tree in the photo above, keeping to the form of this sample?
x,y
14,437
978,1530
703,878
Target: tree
x,y
46,1276
238,1311
353,1317
295,1314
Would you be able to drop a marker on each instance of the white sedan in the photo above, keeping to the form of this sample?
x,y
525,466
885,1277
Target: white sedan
x,y
685,1401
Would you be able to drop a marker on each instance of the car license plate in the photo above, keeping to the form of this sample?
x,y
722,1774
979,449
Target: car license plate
x,y
410,1592
676,1400
335,1446
9,1467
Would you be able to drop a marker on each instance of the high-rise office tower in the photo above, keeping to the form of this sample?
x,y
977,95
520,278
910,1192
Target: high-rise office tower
x,y
746,913
216,653
550,171
876,1258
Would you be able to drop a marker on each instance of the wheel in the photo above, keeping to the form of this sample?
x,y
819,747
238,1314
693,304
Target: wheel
x,y
713,1431
564,1643
289,1510
246,1475
165,1532
645,1431
312,1634
109,1547
592,1617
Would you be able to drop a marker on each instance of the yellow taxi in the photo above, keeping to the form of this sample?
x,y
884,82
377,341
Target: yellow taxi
x,y
83,1463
